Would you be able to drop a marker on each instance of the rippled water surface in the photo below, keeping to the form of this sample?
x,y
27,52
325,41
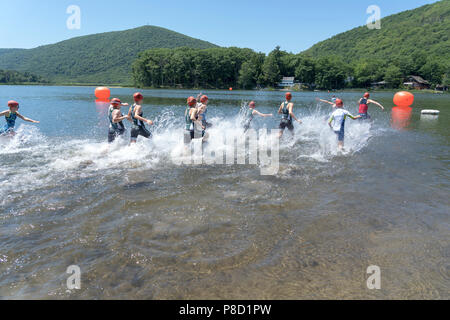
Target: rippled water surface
x,y
141,227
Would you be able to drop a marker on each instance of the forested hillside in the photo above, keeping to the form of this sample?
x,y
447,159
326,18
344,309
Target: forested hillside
x,y
414,42
422,31
99,58
5,51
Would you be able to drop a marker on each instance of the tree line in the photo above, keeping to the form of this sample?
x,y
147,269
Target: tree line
x,y
246,69
14,77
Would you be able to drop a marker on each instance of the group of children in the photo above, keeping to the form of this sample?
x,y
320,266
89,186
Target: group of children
x,y
338,117
135,116
195,117
336,120
196,111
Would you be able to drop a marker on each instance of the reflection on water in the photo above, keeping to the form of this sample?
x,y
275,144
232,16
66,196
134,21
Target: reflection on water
x,y
141,227
401,117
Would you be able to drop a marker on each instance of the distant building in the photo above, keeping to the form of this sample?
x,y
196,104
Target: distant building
x,y
287,82
417,82
379,85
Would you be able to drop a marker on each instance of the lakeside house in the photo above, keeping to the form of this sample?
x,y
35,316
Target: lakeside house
x,y
379,85
417,82
287,82
441,88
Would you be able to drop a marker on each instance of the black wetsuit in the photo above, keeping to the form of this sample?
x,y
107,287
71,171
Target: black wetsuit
x,y
115,129
286,121
189,127
248,118
138,128
10,123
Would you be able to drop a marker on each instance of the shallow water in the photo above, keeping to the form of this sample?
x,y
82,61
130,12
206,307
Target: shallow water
x,y
141,227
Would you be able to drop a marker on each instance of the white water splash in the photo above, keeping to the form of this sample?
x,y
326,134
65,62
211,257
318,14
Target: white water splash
x,y
44,161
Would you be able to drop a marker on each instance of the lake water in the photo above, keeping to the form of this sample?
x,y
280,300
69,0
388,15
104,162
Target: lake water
x,y
140,226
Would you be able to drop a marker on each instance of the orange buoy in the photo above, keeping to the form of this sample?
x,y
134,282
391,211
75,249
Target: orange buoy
x,y
102,93
231,89
403,99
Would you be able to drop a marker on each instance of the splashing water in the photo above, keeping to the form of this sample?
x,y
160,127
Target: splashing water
x,y
129,214
43,160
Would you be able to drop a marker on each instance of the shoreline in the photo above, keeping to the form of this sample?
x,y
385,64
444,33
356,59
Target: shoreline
x,y
118,86
124,86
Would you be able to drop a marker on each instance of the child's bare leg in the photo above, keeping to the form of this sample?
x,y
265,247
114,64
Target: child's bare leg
x,y
292,132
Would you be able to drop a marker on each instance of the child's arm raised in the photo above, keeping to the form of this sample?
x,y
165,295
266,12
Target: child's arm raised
x,y
325,101
353,117
376,103
261,114
26,119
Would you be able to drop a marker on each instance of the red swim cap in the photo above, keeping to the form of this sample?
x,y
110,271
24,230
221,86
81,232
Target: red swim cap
x,y
191,101
339,103
252,105
366,95
138,96
116,102
13,103
288,96
204,99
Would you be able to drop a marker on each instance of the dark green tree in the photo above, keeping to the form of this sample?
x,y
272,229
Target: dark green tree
x,y
393,76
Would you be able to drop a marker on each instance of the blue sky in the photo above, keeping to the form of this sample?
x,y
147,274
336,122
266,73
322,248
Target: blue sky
x,y
295,25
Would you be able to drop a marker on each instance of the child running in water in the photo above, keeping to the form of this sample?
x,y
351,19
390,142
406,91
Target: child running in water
x,y
364,103
200,127
11,115
250,113
287,112
194,128
202,106
116,126
337,121
137,117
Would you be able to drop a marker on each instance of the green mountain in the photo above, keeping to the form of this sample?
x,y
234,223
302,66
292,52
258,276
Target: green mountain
x,y
99,58
422,32
5,51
